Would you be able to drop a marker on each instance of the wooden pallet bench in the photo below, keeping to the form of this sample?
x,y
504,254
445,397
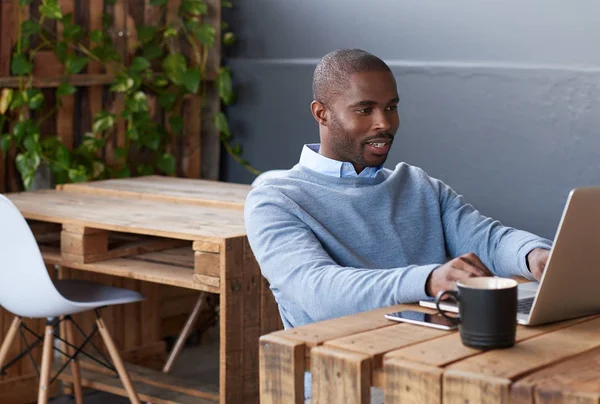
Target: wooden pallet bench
x,y
556,363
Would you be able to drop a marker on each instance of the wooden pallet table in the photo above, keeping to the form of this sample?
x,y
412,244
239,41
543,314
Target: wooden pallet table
x,y
557,363
172,231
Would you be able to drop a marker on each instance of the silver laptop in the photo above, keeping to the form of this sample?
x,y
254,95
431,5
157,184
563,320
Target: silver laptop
x,y
570,285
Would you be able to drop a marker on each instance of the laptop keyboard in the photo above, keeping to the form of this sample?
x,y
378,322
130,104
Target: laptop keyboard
x,y
524,305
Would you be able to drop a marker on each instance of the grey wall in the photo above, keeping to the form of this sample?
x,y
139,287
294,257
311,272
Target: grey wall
x,y
499,99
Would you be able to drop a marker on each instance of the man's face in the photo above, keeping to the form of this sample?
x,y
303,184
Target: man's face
x,y
362,120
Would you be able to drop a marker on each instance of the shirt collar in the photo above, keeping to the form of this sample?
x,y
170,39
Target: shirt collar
x,y
310,158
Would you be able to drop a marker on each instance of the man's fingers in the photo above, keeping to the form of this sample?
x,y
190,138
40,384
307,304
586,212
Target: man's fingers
x,y
474,264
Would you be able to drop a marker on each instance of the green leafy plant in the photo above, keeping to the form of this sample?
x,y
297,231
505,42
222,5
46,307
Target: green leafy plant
x,y
156,69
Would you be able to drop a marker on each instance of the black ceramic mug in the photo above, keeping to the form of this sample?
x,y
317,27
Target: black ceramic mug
x,y
487,308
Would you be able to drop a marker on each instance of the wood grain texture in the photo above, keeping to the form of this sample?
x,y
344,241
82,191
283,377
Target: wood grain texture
x,y
282,365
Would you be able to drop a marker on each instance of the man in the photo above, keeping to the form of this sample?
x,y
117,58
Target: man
x,y
339,234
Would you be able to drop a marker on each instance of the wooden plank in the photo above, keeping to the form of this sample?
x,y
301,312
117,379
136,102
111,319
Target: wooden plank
x,y
412,383
23,389
413,373
486,378
210,146
65,115
171,189
182,257
206,263
231,379
209,281
156,378
77,80
8,32
135,269
251,319
317,333
377,342
340,376
576,380
206,247
282,364
187,222
47,64
192,153
83,244
94,93
146,392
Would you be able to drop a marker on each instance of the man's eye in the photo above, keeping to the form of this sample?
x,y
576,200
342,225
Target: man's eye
x,y
393,108
364,110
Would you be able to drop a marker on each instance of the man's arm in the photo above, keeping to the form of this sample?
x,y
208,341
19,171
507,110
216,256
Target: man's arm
x,y
502,249
294,262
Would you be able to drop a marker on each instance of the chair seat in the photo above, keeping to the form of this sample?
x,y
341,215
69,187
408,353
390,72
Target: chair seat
x,y
90,295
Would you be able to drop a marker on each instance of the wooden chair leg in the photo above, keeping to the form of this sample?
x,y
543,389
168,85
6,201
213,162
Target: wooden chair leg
x,y
47,355
10,336
74,363
116,358
185,333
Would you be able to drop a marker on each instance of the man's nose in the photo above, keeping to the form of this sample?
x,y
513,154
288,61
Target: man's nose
x,y
383,122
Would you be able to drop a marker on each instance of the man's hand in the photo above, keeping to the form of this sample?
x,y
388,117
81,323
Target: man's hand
x,y
460,268
536,261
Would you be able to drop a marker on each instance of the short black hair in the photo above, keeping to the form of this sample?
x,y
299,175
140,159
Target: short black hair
x,y
334,70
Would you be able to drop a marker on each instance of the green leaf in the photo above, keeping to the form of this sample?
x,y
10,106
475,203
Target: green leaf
x,y
205,33
107,20
158,2
25,2
78,174
146,33
152,51
191,80
61,51
72,31
62,155
166,164
6,96
220,122
170,32
106,53
167,100
65,89
224,85
150,139
29,27
31,143
103,121
23,128
145,169
137,102
110,2
19,99
5,142
226,4
98,169
228,38
122,84
19,65
194,7
36,98
175,67
120,153
74,64
96,36
176,123
132,133
139,64
27,163
51,9
160,81
123,172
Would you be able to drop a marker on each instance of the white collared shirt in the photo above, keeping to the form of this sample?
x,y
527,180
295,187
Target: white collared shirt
x,y
310,158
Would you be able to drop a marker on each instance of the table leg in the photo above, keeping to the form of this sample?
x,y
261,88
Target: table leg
x,y
239,323
340,376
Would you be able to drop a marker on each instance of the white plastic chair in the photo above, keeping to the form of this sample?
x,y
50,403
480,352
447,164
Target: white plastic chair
x,y
27,290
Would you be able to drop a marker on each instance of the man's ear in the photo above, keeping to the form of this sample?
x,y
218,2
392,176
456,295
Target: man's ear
x,y
319,112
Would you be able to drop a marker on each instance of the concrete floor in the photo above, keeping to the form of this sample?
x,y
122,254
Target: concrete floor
x,y
200,362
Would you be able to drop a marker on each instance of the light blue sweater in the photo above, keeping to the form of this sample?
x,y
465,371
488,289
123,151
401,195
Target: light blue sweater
x,y
331,246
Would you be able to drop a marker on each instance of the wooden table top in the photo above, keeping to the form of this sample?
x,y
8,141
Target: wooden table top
x,y
416,364
160,206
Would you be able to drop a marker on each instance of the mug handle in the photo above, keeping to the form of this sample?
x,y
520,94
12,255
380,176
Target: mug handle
x,y
454,295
